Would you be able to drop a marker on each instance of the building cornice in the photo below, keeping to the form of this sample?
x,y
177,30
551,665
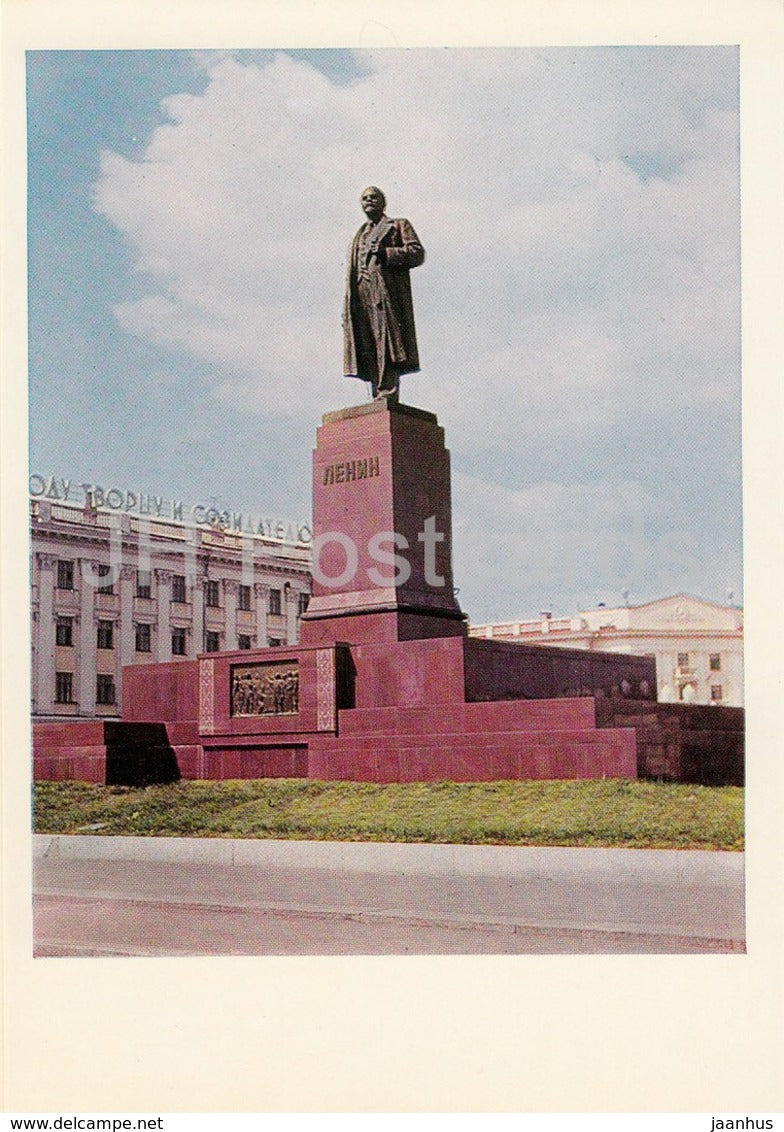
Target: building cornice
x,y
88,542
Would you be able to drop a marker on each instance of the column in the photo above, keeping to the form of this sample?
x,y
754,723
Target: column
x,y
46,636
197,625
127,633
291,597
88,640
261,592
230,588
127,637
163,579
35,654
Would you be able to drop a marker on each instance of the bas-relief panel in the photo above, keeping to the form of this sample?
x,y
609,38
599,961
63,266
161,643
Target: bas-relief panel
x,y
265,689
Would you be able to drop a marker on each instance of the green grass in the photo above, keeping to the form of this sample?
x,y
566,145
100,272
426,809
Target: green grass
x,y
615,812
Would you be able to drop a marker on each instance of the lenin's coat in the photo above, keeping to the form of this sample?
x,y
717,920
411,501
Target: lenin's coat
x,y
403,251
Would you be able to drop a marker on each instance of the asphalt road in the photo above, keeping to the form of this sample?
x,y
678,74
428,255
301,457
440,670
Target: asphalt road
x,y
88,907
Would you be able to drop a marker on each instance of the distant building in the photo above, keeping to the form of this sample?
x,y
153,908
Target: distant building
x,y
111,589
698,645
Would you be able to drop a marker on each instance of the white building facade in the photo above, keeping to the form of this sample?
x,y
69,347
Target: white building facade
x,y
112,589
698,645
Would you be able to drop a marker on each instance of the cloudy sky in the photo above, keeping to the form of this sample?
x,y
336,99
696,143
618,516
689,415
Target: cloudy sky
x,y
578,312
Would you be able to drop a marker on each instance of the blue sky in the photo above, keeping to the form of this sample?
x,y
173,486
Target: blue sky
x,y
578,312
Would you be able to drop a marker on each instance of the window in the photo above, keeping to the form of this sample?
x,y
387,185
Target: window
x,y
243,597
143,583
212,642
178,588
683,660
303,603
274,602
716,694
274,643
715,662
211,596
64,687
143,637
243,641
64,631
65,575
178,642
104,690
105,634
106,586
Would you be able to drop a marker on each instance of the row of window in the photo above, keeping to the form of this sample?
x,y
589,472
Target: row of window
x,y
143,637
105,636
212,642
105,692
714,661
65,581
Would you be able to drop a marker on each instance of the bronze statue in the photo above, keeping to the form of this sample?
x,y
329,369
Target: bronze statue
x,y
379,339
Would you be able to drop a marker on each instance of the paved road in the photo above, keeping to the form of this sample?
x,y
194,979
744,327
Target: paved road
x,y
124,907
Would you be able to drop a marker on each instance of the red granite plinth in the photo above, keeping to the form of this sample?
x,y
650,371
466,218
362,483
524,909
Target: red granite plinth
x,y
375,628
470,720
476,757
64,751
103,752
425,710
682,742
389,687
168,691
381,490
241,761
467,669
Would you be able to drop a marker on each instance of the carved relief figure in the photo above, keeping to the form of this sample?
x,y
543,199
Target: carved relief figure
x,y
265,690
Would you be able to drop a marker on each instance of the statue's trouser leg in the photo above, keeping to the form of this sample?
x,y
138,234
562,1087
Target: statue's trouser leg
x,y
389,382
389,386
366,327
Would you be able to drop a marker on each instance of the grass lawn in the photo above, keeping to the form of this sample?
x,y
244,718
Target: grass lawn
x,y
614,812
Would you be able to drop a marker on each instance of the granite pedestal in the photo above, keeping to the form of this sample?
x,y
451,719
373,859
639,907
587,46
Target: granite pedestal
x,y
381,473
385,685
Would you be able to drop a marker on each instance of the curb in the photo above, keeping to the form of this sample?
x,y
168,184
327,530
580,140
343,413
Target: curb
x,y
680,867
510,925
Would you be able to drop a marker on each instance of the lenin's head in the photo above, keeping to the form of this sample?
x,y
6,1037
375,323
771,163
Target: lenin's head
x,y
373,203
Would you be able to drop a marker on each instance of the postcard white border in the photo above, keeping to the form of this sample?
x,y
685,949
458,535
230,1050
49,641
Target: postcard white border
x,y
464,1034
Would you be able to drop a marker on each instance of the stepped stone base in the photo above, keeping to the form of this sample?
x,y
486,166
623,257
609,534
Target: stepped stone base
x,y
454,709
385,685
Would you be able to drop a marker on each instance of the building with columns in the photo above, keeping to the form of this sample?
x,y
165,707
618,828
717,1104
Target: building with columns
x,y
698,645
111,589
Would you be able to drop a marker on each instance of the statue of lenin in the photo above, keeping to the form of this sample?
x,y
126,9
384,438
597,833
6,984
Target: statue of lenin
x,y
379,339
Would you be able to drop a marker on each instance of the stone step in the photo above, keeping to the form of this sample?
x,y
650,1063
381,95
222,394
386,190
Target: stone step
x,y
509,755
68,733
87,764
615,712
470,718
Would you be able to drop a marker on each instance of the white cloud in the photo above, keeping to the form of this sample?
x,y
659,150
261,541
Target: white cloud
x,y
570,545
510,163
565,295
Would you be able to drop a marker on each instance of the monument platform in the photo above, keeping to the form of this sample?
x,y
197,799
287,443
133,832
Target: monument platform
x,y
414,711
385,685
